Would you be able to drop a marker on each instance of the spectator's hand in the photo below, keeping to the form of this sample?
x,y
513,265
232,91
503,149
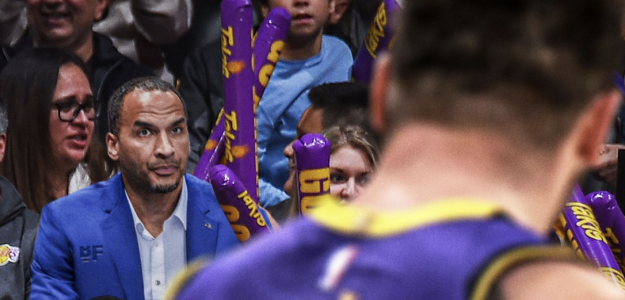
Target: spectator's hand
x,y
606,166
274,224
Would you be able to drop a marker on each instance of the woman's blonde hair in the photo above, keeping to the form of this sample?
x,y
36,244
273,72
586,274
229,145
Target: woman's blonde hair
x,y
354,136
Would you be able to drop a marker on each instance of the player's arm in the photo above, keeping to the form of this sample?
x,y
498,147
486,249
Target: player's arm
x,y
52,268
556,280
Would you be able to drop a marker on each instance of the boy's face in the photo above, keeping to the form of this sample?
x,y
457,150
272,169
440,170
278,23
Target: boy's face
x,y
308,17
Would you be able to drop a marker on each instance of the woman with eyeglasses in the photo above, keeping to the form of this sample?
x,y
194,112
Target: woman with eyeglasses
x,y
52,114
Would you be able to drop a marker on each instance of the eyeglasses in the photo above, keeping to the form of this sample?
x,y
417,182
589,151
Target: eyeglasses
x,y
68,111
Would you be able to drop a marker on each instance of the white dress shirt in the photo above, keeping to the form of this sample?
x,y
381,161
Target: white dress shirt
x,y
162,257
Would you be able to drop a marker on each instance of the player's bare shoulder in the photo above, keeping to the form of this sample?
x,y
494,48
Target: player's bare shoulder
x,y
557,280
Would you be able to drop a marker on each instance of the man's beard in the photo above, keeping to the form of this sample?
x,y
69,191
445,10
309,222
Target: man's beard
x,y
164,189
142,181
146,185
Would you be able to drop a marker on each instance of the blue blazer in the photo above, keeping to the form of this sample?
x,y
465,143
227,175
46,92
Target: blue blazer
x,y
87,245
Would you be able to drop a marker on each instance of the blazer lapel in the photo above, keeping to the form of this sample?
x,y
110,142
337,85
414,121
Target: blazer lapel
x,y
202,230
121,240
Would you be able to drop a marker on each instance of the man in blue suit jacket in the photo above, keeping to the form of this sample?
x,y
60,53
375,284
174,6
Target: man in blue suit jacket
x,y
127,237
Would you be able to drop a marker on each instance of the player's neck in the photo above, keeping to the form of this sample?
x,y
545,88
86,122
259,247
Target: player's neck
x,y
301,49
152,208
422,165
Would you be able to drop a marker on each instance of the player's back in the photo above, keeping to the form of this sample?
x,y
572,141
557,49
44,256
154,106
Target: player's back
x,y
344,253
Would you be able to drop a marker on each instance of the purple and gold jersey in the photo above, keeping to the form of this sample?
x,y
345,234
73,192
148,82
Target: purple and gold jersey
x,y
446,250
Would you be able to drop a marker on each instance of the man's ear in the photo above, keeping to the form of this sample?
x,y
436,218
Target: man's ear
x,y
379,93
337,10
100,9
112,146
595,124
3,145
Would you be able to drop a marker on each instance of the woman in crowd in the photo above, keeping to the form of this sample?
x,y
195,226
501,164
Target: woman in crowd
x,y
52,115
353,160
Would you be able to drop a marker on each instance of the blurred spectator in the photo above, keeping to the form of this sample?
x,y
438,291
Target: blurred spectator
x,y
351,20
18,228
68,25
139,28
205,29
13,21
52,112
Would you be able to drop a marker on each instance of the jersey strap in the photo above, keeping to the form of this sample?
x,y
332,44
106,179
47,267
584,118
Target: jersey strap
x,y
516,257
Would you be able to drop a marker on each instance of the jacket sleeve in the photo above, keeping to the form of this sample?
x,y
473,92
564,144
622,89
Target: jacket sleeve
x,y
52,268
201,87
13,21
31,223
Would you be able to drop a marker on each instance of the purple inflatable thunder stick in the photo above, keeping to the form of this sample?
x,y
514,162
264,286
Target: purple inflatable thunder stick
x,y
240,209
583,231
312,157
236,48
379,38
612,222
239,131
268,45
213,150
